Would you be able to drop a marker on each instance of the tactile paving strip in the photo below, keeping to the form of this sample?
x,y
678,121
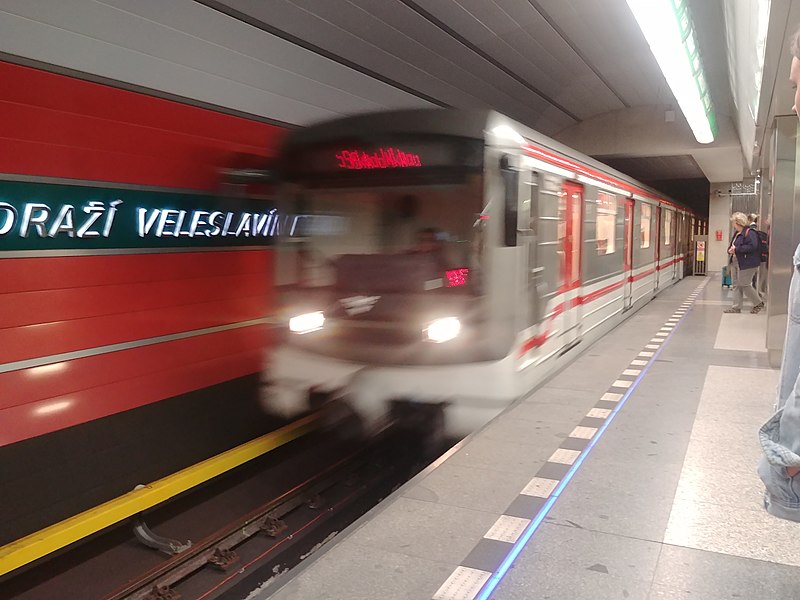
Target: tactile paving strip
x,y
528,510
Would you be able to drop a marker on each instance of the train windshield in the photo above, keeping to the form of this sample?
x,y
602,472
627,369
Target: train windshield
x,y
381,262
397,240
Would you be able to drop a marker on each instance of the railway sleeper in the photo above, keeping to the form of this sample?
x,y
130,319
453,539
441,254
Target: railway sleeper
x,y
315,502
273,526
162,593
223,558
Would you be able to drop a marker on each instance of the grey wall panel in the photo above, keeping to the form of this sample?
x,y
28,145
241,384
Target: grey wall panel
x,y
449,59
258,55
320,31
187,49
401,32
606,32
551,64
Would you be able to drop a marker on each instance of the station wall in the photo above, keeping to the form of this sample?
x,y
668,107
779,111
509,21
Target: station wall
x,y
129,346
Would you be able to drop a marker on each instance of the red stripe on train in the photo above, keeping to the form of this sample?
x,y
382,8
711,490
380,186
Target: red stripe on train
x,y
580,169
540,339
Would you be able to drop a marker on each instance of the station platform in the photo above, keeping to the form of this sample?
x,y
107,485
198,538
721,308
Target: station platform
x,y
630,474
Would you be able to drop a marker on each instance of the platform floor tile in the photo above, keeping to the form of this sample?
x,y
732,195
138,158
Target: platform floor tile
x,y
433,531
468,487
684,573
354,572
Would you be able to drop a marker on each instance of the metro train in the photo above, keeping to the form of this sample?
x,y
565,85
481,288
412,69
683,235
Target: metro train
x,y
456,258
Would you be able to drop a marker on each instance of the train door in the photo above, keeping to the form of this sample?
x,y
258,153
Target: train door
x,y
526,237
628,254
572,242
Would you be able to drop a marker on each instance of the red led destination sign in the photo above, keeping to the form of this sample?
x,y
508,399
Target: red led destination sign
x,y
384,158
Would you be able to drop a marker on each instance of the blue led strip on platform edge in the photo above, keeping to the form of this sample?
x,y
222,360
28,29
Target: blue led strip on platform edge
x,y
490,586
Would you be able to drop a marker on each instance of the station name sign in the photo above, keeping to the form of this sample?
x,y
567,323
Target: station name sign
x,y
39,216
96,219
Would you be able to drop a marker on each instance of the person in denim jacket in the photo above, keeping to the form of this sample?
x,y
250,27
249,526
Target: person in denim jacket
x,y
779,468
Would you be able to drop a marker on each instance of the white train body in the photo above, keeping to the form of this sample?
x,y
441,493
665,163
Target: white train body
x,y
539,252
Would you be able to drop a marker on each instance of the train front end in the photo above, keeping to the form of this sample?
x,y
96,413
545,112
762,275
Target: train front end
x,y
382,270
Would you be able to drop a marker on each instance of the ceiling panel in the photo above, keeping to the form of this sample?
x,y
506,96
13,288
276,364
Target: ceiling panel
x,y
426,44
543,59
186,49
653,168
550,64
607,34
318,31
356,35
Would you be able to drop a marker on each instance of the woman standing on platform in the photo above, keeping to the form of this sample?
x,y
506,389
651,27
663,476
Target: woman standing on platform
x,y
745,258
779,469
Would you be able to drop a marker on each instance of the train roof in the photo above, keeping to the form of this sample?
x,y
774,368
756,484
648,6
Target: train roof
x,y
467,123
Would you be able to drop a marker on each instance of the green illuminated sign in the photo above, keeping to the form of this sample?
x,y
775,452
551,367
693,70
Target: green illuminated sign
x,y
56,217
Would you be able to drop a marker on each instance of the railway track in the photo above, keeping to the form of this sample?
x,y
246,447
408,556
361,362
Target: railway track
x,y
310,500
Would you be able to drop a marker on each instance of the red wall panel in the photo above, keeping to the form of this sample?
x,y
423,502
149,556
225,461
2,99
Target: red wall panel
x,y
100,315
59,379
40,417
58,126
30,274
46,339
49,306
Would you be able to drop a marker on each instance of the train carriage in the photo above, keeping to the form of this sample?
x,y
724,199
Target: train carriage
x,y
454,258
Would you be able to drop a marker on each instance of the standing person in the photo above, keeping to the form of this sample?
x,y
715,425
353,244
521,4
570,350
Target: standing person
x,y
779,468
745,258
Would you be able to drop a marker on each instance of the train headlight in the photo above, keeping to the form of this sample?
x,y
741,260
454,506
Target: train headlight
x,y
306,323
443,330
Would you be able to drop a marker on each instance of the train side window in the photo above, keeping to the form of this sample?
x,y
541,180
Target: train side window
x,y
606,222
647,215
667,227
510,177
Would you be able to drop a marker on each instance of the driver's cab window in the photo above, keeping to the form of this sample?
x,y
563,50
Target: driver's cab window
x,y
421,224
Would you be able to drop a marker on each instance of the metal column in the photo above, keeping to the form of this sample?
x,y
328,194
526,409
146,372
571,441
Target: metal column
x,y
784,230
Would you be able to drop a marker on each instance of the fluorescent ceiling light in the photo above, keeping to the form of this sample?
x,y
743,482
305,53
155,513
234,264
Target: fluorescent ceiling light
x,y
667,26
